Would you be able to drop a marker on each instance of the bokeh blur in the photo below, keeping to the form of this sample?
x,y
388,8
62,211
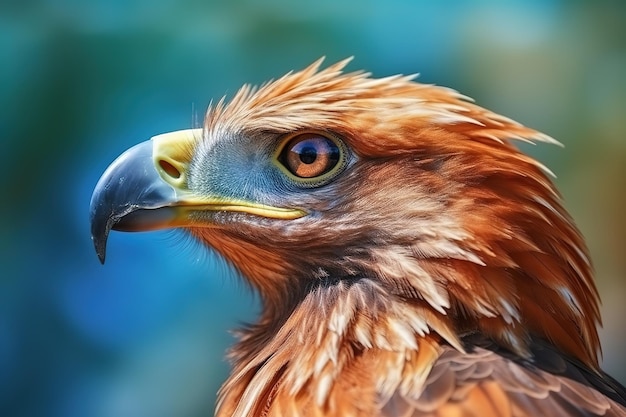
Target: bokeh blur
x,y
80,81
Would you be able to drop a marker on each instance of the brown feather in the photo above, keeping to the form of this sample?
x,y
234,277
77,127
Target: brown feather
x,y
437,268
487,382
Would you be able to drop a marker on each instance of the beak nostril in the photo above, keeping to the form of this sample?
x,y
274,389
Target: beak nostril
x,y
169,169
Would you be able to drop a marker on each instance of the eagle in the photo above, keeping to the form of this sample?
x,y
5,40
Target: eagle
x,y
410,259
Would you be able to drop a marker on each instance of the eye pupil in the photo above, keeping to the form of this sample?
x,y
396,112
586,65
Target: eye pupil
x,y
310,155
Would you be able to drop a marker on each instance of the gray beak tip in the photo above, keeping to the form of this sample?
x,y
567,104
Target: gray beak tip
x,y
99,239
100,228
130,196
101,250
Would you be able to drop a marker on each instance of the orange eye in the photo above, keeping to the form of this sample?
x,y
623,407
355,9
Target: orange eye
x,y
310,155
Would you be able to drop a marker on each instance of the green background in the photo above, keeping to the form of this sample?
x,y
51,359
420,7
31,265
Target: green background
x,y
80,81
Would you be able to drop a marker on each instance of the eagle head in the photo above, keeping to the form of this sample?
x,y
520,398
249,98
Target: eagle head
x,y
368,213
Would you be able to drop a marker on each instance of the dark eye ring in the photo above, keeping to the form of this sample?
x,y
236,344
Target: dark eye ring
x,y
312,156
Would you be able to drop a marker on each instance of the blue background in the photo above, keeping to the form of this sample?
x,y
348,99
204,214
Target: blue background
x,y
80,81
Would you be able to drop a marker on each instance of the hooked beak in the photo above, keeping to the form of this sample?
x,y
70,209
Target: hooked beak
x,y
146,188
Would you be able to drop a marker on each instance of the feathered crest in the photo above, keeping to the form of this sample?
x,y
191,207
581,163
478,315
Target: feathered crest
x,y
328,97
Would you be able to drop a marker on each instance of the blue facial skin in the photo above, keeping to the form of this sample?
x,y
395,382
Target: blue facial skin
x,y
246,168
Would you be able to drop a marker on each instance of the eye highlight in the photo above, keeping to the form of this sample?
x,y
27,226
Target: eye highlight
x,y
312,158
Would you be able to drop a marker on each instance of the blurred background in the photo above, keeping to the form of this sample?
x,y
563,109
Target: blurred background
x,y
81,81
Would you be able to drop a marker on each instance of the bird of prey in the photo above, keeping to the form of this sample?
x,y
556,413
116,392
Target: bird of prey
x,y
411,261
